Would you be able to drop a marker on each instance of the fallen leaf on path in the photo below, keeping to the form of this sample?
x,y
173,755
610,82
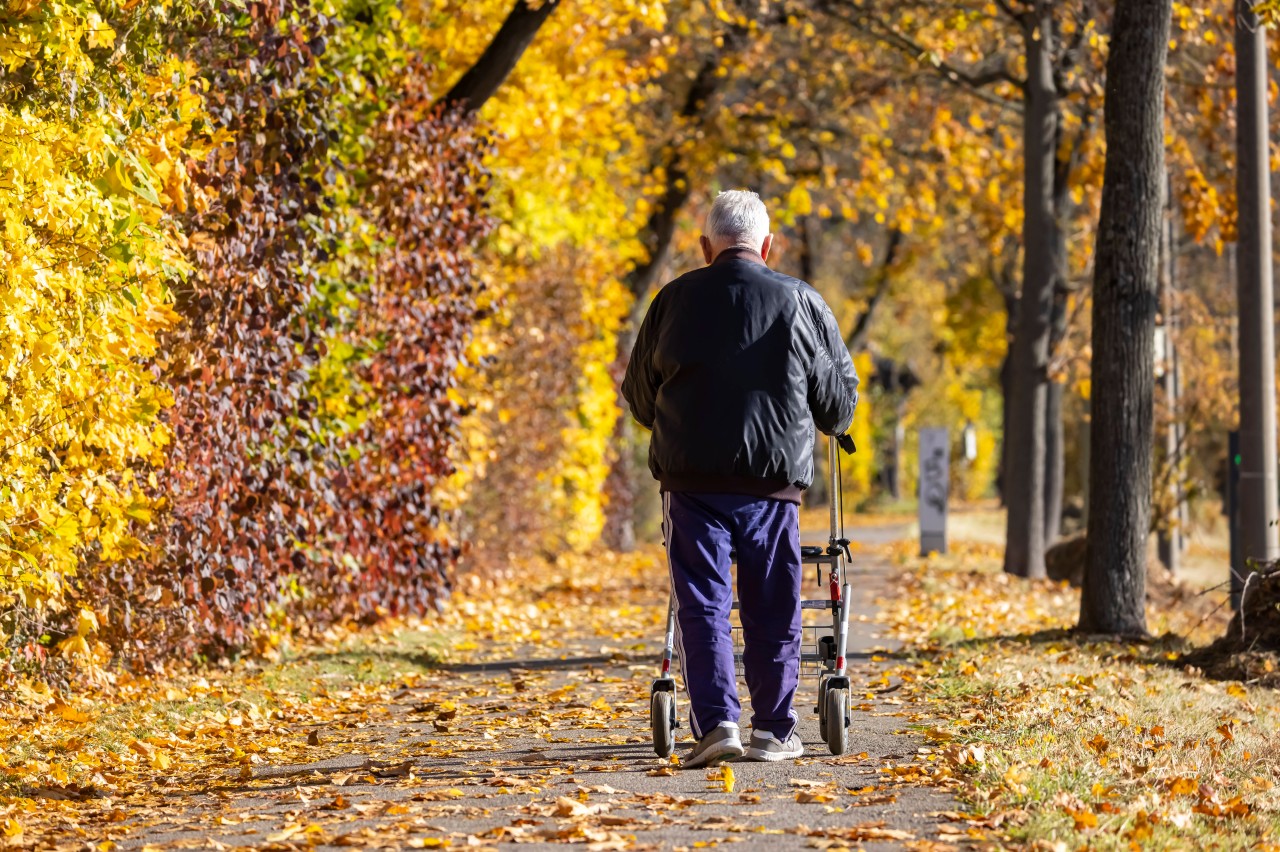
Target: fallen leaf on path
x,y
723,776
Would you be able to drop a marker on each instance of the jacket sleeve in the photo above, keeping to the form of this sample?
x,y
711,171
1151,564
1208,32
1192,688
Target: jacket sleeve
x,y
640,385
833,381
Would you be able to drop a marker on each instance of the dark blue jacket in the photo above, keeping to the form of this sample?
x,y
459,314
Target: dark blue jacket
x,y
733,367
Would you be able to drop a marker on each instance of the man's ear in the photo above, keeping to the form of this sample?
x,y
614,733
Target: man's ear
x,y
706,248
764,249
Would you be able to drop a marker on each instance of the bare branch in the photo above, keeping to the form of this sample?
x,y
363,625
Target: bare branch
x,y
857,339
499,59
975,80
659,231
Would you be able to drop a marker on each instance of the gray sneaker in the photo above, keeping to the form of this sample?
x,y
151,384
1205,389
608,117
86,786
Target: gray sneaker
x,y
721,744
765,746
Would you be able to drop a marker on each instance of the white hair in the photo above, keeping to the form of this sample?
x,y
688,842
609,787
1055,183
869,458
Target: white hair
x,y
738,217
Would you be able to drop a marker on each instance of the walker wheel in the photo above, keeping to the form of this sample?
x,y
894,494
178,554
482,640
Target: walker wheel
x,y
662,718
837,722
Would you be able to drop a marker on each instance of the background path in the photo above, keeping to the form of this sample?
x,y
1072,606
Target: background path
x,y
547,741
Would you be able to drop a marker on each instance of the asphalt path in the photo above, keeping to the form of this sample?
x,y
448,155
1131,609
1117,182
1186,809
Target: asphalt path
x,y
509,787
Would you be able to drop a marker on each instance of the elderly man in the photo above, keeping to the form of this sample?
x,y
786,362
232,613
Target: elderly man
x,y
733,367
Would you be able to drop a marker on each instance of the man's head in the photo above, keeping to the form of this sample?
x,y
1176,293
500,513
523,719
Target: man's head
x,y
737,220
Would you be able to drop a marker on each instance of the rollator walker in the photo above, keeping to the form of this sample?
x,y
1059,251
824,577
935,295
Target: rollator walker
x,y
822,646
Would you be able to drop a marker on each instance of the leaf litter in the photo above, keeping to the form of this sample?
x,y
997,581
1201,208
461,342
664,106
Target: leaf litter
x,y
400,736
1048,735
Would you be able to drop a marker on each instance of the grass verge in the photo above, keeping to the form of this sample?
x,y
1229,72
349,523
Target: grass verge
x,y
1054,741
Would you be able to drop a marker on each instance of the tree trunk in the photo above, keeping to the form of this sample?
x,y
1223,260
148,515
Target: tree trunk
x,y
1009,291
1113,596
806,256
1055,438
899,444
1055,465
879,280
661,227
1029,352
482,79
1257,518
1169,528
1002,469
623,480
1085,453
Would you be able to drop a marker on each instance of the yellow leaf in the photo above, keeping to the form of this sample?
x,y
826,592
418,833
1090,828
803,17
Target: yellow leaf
x,y
70,714
87,622
799,202
284,834
73,646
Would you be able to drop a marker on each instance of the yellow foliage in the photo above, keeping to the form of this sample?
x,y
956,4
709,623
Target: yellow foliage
x,y
858,471
567,174
88,246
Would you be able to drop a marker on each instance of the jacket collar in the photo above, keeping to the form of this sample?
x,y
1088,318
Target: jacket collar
x,y
739,253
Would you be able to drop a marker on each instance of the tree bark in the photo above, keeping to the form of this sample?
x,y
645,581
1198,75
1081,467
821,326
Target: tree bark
x,y
1008,287
1029,354
1257,491
661,227
806,256
481,80
1055,390
857,338
1169,528
1054,461
1125,303
1002,472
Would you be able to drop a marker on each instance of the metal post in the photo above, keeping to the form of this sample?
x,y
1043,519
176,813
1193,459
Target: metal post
x,y
1258,497
833,463
935,486
1233,518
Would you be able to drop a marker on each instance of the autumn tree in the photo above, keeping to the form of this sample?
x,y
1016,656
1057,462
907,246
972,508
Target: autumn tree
x,y
978,48
97,125
1125,303
847,145
570,181
241,273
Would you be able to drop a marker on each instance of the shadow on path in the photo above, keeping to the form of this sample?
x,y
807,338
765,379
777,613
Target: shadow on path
x,y
431,661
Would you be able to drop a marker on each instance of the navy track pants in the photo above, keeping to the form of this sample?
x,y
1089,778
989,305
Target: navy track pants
x,y
701,530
